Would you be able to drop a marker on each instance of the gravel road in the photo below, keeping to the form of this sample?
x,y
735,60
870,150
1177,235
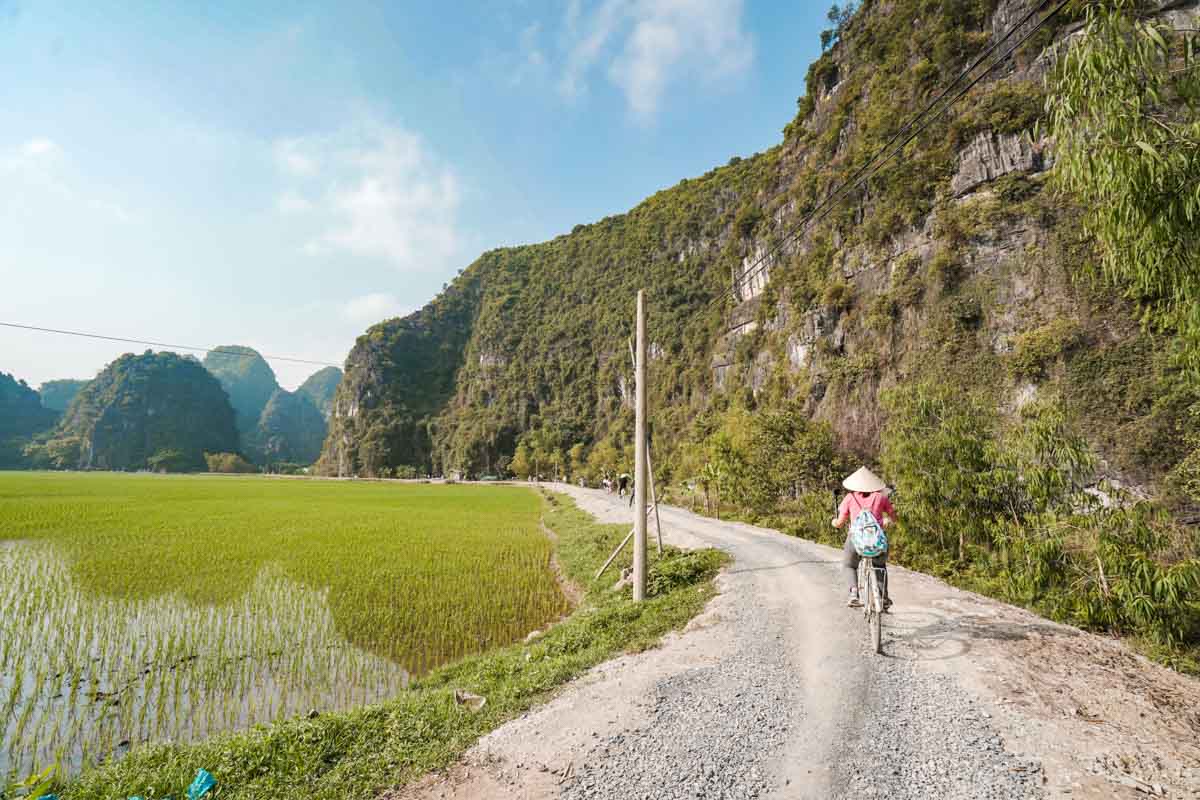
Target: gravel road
x,y
773,692
799,707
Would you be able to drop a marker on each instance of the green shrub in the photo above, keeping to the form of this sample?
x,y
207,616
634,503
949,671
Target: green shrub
x,y
228,463
838,295
945,269
676,568
1035,349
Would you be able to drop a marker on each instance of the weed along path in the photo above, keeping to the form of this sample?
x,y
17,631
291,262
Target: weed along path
x,y
772,692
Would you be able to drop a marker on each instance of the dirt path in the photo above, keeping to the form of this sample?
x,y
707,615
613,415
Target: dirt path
x,y
772,692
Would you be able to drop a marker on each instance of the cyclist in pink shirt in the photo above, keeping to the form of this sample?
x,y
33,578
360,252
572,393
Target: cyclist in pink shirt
x,y
866,492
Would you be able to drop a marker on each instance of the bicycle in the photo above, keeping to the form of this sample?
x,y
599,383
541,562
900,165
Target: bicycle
x,y
871,583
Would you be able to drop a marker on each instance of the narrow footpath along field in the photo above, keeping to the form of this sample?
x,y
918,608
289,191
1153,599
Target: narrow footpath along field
x,y
773,692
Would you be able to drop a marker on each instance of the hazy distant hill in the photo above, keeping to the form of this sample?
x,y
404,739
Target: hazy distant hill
x,y
289,429
248,380
320,388
21,416
57,395
149,411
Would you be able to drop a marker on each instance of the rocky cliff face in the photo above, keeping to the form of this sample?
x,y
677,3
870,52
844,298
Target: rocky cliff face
x,y
955,264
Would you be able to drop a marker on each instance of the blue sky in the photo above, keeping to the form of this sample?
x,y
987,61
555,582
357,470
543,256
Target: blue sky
x,y
283,175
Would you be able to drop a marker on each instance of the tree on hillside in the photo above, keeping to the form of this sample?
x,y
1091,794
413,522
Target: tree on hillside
x,y
839,17
521,464
1125,113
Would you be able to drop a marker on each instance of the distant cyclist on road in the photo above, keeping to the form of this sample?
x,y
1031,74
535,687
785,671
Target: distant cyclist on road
x,y
865,493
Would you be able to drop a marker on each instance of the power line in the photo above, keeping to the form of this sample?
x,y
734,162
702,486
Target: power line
x,y
217,350
859,178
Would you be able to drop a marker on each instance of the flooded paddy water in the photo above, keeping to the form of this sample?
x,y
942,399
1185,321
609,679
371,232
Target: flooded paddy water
x,y
151,622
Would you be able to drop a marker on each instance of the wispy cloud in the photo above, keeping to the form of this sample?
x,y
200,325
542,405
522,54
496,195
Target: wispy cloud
x,y
295,157
645,46
381,192
40,164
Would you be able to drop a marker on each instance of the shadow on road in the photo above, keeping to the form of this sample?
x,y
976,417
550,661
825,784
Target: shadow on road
x,y
929,636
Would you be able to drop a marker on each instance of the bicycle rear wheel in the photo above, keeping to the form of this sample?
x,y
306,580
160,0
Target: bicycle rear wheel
x,y
874,611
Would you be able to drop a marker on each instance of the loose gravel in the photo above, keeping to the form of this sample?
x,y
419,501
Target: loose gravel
x,y
713,730
716,732
919,736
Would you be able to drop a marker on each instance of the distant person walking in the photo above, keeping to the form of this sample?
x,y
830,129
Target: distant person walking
x,y
622,484
865,493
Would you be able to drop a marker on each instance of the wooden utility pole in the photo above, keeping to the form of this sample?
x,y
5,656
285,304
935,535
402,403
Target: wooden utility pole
x,y
641,475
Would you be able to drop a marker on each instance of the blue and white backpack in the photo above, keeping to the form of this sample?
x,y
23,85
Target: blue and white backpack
x,y
867,534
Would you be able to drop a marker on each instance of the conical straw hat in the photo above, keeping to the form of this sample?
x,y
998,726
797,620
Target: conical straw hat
x,y
864,481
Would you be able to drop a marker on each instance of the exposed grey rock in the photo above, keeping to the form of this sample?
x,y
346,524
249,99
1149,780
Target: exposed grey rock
x,y
990,156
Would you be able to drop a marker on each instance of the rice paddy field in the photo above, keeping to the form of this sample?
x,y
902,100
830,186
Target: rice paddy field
x,y
139,608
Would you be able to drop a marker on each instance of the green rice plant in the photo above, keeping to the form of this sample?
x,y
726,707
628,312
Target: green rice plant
x,y
151,608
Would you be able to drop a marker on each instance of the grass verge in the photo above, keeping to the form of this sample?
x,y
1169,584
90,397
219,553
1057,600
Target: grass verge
x,y
360,753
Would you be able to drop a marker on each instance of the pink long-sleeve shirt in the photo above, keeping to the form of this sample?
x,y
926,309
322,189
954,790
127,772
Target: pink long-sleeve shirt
x,y
876,502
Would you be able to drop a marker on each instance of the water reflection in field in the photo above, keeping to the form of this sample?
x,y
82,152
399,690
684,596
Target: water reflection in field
x,y
84,677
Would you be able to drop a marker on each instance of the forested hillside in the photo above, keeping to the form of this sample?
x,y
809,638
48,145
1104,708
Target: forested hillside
x,y
1010,356
22,416
157,411
955,263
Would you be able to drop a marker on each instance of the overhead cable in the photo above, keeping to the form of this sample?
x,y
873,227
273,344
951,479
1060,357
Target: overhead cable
x,y
218,350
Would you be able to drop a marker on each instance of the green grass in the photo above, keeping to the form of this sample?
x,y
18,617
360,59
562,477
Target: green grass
x,y
358,753
148,608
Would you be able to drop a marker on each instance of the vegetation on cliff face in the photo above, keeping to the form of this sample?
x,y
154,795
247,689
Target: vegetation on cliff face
x,y
320,388
1127,124
953,268
22,415
57,395
157,411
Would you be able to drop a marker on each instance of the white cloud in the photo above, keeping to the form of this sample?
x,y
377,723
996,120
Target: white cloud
x,y
39,147
382,194
648,45
374,307
293,157
30,154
